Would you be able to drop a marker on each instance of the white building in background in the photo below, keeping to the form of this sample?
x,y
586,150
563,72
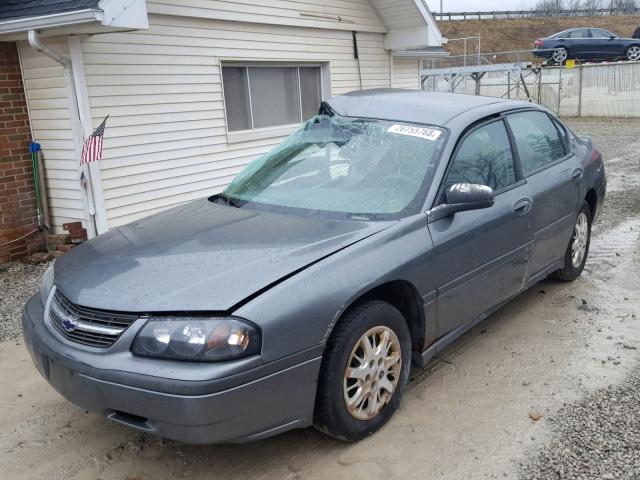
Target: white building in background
x,y
194,89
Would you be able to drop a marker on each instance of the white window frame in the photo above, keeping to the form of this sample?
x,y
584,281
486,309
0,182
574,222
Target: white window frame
x,y
239,136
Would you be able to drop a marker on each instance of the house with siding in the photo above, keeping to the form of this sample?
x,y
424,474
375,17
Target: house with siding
x,y
194,89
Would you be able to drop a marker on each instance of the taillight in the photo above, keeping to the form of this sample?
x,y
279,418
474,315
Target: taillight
x,y
596,155
539,43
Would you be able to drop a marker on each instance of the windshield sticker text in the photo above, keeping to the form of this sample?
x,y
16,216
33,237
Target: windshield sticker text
x,y
420,132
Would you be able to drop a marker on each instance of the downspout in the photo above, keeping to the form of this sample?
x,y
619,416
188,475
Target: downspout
x,y
35,43
86,195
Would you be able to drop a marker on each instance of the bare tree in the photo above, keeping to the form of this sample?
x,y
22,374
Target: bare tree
x,y
625,4
549,5
592,4
585,4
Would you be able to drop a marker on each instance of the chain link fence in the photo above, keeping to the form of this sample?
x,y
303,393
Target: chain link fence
x,y
591,90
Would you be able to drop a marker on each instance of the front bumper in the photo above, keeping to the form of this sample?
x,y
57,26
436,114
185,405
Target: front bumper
x,y
250,410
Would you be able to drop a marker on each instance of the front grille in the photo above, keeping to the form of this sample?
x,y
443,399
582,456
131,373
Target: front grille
x,y
88,326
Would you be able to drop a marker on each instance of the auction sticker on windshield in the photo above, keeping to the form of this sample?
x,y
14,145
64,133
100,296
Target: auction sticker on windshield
x,y
420,132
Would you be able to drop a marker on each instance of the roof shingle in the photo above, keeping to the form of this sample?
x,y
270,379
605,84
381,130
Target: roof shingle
x,y
13,9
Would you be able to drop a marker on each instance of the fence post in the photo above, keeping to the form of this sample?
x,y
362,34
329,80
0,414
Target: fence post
x,y
580,91
559,88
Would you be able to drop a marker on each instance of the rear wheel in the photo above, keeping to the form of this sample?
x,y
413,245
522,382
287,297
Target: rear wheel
x,y
560,55
576,254
364,371
633,53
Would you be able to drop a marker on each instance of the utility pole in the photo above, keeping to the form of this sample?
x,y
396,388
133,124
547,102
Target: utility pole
x,y
441,7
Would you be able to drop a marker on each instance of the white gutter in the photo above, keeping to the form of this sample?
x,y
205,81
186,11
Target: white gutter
x,y
51,21
36,44
76,127
426,53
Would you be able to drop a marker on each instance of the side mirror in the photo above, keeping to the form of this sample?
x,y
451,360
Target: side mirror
x,y
612,37
462,197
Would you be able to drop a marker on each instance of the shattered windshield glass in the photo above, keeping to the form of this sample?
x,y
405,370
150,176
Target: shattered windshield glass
x,y
342,165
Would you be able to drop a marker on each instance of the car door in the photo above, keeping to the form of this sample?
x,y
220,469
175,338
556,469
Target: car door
x,y
481,255
553,175
580,44
605,46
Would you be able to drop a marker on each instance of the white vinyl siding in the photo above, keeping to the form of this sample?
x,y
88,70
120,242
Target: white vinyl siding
x,y
334,14
166,140
51,125
406,73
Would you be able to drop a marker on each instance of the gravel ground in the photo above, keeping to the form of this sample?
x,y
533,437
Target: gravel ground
x,y
599,436
621,156
18,282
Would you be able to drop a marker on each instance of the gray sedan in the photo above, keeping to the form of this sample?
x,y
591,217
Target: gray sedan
x,y
385,227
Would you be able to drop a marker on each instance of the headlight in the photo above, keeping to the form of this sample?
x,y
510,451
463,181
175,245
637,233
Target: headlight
x,y
46,283
199,339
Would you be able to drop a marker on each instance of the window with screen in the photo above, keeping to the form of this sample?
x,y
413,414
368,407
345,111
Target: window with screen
x,y
267,96
537,138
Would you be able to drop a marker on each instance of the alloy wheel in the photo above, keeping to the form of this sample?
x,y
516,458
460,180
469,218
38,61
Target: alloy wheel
x,y
579,241
560,55
372,372
633,53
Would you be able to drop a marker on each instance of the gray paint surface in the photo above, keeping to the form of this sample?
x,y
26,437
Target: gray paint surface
x,y
294,276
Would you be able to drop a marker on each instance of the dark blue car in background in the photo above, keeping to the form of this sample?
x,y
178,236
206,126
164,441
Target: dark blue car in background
x,y
587,44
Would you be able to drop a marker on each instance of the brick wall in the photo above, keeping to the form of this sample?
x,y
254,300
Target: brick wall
x,y
18,214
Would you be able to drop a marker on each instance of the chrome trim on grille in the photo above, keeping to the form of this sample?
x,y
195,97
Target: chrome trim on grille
x,y
87,326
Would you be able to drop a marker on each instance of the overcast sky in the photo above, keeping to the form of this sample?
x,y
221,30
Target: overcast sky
x,y
474,5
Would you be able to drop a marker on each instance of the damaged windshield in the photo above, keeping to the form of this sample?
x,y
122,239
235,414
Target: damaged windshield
x,y
343,165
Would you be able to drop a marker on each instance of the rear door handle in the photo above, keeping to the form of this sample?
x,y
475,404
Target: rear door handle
x,y
577,175
522,206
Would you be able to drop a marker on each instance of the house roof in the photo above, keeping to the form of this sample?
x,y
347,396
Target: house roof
x,y
12,9
65,17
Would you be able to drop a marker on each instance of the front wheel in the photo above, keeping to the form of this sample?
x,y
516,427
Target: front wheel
x,y
364,371
576,254
633,53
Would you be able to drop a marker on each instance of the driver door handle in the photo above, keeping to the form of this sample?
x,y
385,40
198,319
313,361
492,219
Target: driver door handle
x,y
577,175
522,206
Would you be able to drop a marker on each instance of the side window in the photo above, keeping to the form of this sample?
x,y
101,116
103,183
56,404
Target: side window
x,y
563,135
537,140
581,33
484,158
599,33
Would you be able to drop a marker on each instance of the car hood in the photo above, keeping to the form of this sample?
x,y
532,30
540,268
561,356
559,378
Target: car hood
x,y
199,257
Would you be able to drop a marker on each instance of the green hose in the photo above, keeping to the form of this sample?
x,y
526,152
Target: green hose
x,y
35,148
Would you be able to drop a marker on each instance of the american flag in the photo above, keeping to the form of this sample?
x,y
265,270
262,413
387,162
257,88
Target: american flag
x,y
83,180
92,148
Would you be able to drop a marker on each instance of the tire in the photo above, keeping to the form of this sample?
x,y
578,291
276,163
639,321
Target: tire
x,y
633,53
559,55
573,266
332,415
